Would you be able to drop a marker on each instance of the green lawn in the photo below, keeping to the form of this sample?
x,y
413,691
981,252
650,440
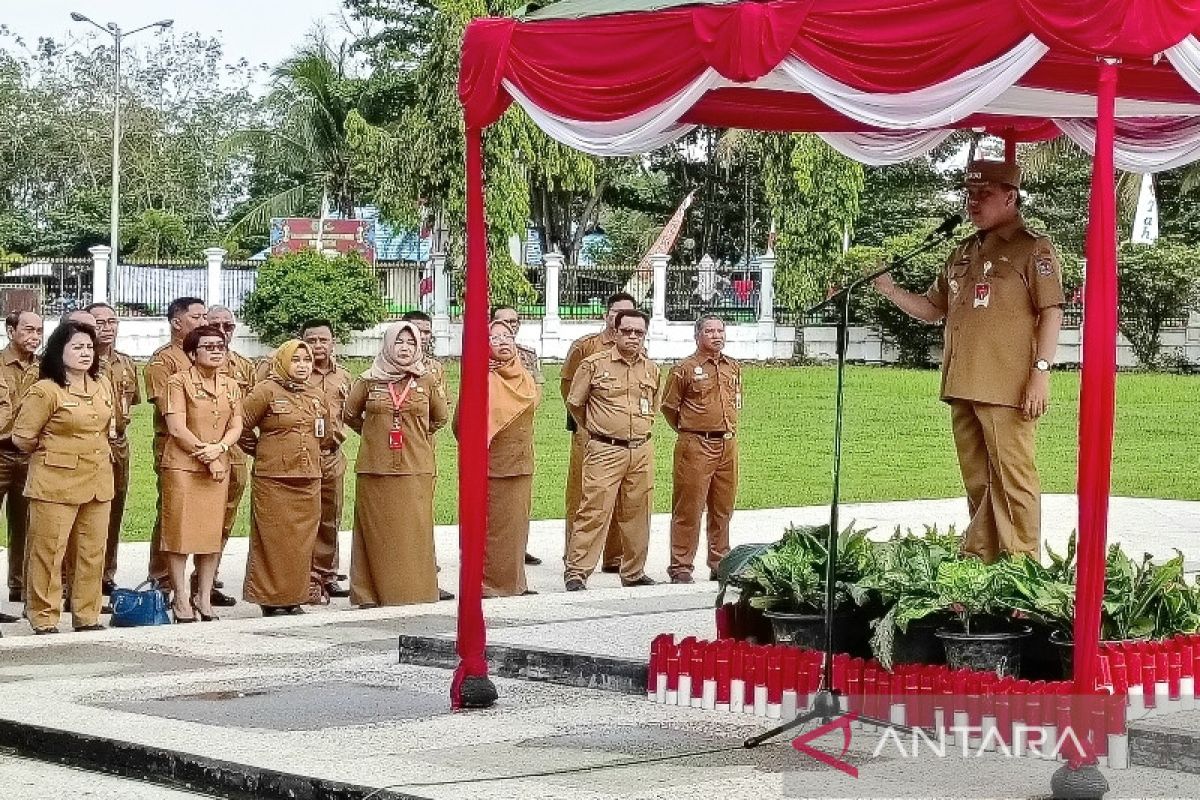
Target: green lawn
x,y
897,445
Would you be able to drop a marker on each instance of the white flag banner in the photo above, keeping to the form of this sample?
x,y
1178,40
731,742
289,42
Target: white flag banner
x,y
1145,221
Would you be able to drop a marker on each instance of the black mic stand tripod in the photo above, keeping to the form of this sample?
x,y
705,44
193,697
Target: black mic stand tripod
x,y
826,705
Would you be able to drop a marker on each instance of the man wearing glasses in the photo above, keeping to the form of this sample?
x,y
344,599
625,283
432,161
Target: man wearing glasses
x,y
241,369
184,314
614,397
122,374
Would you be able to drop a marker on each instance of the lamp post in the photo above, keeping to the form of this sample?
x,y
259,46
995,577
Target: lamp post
x,y
114,30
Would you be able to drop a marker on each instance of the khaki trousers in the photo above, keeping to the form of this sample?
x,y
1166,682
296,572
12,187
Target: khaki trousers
x,y
325,557
705,479
996,455
51,526
14,467
618,489
158,560
120,452
612,539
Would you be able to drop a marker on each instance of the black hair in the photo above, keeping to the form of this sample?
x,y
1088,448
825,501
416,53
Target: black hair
x,y
631,312
501,307
52,365
421,316
315,323
618,297
191,342
180,305
14,318
90,307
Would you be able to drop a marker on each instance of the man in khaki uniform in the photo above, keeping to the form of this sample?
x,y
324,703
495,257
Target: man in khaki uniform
x,y
1001,297
613,397
334,383
24,330
183,315
701,402
580,349
242,370
529,359
122,374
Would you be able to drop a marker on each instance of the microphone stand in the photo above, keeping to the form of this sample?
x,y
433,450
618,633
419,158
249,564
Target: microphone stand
x,y
825,704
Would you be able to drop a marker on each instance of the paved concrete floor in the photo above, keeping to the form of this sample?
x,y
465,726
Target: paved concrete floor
x,y
30,779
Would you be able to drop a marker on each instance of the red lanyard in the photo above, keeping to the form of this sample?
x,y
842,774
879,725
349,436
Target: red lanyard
x,y
398,400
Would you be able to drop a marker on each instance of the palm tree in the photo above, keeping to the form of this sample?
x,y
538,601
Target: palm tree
x,y
308,144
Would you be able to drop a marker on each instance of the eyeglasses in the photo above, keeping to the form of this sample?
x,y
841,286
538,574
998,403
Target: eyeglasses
x,y
212,348
227,326
106,323
636,333
500,338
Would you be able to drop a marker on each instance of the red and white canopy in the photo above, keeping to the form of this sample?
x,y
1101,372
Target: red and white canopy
x,y
882,81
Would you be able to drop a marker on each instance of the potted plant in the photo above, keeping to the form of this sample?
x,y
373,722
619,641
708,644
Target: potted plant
x,y
904,576
980,635
788,583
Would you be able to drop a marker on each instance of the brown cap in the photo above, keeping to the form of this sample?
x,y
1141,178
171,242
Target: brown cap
x,y
981,172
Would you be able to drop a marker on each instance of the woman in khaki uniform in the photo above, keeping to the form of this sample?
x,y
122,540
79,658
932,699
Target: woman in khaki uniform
x,y
396,406
513,395
203,416
285,490
63,421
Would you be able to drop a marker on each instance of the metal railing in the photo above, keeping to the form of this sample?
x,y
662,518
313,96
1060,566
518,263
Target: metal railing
x,y
51,286
583,291
694,291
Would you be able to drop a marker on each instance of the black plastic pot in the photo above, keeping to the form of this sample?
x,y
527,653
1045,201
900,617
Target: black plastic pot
x,y
986,652
1066,651
918,645
807,630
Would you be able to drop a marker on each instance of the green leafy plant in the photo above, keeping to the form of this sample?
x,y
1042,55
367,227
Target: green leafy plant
x,y
1037,592
1135,592
971,590
790,576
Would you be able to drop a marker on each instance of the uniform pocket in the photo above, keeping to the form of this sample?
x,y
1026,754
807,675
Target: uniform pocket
x,y
62,460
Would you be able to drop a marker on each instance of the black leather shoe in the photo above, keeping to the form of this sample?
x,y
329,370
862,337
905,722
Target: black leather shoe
x,y
528,592
682,577
88,628
334,590
273,611
294,610
712,576
218,598
107,587
611,568
444,595
645,580
44,631
532,560
6,618
575,585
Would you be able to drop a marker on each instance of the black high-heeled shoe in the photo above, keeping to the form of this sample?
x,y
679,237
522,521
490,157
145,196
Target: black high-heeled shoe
x,y
203,617
178,620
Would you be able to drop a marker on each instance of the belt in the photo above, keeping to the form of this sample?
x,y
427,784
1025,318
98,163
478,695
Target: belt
x,y
632,444
710,434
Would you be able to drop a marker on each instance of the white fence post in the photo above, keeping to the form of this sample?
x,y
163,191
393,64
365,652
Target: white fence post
x,y
551,321
766,306
658,302
215,256
100,255
441,304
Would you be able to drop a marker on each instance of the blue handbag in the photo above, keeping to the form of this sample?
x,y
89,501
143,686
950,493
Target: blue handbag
x,y
134,608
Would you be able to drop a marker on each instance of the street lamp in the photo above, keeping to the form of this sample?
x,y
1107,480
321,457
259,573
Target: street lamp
x,y
114,30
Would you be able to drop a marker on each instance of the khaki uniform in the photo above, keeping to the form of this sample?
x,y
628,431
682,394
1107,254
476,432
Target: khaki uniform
x,y
510,497
165,362
531,362
392,558
334,384
69,488
241,369
189,492
701,402
122,374
993,289
285,499
14,465
615,400
581,348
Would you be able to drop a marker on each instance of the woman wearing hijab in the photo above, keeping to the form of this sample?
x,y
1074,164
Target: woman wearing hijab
x,y
285,421
396,406
203,414
513,396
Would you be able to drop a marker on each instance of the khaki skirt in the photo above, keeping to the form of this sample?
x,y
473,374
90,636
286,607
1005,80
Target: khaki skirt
x,y
508,532
193,509
284,514
392,561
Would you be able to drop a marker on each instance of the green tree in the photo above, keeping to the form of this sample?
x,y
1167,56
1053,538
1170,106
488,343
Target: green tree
x,y
159,234
298,287
1157,283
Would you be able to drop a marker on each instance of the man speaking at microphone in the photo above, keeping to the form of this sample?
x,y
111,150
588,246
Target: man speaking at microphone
x,y
1000,294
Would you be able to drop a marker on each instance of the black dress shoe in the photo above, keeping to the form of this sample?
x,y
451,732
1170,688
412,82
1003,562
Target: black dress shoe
x,y
44,631
335,590
368,606
88,628
107,587
273,611
444,595
712,576
682,577
528,592
645,580
611,568
294,610
532,560
575,585
106,609
5,618
218,598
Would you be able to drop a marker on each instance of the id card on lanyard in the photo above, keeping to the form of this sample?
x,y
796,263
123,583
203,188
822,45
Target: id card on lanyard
x,y
396,435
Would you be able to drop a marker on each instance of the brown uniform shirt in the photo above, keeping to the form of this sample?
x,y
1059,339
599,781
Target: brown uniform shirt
x,y
510,453
12,383
531,362
207,414
122,374
290,427
614,397
241,369
438,370
369,411
993,289
704,394
165,362
334,384
581,348
72,462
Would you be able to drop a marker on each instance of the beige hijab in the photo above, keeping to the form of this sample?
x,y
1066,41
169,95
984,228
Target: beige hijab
x,y
511,389
386,367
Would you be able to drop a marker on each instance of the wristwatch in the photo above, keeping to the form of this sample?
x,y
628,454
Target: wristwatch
x,y
1041,365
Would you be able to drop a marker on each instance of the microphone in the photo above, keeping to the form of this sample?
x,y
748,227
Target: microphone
x,y
946,229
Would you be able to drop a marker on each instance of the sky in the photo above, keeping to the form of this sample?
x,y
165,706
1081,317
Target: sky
x,y
262,31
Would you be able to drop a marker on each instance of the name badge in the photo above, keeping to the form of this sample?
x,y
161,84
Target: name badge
x,y
737,400
983,295
395,440
645,405
319,428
